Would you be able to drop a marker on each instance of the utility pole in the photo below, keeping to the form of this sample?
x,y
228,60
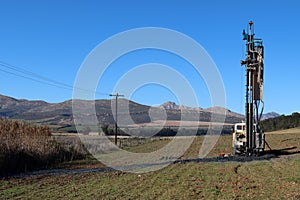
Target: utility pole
x,y
116,118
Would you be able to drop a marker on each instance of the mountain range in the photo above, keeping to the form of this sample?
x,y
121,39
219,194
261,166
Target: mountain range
x,y
60,114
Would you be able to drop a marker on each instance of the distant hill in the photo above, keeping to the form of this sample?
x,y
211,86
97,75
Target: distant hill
x,y
269,115
281,122
61,113
169,105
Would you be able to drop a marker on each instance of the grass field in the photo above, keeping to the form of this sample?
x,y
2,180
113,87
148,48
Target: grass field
x,y
274,179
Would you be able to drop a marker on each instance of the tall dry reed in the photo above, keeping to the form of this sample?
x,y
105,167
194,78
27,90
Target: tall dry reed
x,y
24,146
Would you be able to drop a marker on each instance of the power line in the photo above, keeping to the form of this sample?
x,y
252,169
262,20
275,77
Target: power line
x,y
25,71
40,79
32,79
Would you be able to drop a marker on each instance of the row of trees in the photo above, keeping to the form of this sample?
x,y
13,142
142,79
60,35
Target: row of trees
x,y
157,131
281,122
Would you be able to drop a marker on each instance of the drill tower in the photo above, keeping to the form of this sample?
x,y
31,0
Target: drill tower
x,y
248,138
254,90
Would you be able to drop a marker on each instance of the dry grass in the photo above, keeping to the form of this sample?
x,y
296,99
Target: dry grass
x,y
288,131
255,180
25,147
273,179
18,136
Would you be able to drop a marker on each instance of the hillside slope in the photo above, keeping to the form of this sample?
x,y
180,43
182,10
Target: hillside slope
x,y
61,113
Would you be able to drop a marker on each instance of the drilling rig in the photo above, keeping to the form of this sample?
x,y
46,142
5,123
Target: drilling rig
x,y
248,137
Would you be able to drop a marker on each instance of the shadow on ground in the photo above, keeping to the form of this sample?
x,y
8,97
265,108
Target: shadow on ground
x,y
285,151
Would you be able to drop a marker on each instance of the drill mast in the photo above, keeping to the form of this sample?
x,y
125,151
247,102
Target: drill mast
x,y
254,63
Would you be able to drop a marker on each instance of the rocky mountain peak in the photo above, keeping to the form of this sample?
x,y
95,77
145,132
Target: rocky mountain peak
x,y
169,105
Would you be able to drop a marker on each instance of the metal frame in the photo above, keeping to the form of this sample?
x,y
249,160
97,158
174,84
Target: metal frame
x,y
254,104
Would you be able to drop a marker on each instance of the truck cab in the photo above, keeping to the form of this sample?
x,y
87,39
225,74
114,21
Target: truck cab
x,y
239,139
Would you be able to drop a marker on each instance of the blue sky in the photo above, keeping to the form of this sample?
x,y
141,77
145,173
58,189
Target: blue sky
x,y
52,39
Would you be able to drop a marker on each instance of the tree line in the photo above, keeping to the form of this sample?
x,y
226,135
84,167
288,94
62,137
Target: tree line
x,y
281,122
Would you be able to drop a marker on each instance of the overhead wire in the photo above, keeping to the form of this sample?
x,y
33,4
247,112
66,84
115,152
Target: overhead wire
x,y
24,73
8,72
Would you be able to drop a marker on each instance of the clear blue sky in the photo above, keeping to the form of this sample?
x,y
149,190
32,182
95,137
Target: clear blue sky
x,y
52,38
